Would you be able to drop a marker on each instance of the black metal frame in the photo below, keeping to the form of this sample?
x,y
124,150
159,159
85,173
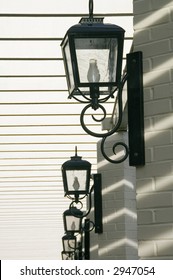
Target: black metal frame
x,y
135,109
82,31
71,38
98,214
87,240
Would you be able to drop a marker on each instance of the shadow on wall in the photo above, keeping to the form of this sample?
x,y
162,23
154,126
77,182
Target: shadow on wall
x,y
154,187
119,238
148,19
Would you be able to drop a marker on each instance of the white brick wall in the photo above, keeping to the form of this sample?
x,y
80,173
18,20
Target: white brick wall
x,y
119,238
153,35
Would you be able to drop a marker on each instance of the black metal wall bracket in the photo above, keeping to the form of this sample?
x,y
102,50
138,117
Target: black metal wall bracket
x,y
135,109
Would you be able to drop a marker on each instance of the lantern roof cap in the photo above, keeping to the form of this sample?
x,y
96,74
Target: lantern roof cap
x,y
91,20
94,26
73,211
69,235
91,27
76,161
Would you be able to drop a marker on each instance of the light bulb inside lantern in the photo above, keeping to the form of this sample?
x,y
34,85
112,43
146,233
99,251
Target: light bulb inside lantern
x,y
76,184
93,72
73,226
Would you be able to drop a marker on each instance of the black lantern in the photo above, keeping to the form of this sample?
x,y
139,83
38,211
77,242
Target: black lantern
x,y
69,242
72,220
92,53
76,175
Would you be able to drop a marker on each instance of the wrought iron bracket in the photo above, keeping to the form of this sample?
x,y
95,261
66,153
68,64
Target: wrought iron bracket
x,y
136,149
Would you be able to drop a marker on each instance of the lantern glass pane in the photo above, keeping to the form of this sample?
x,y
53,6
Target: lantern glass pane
x,y
73,223
76,180
97,59
68,66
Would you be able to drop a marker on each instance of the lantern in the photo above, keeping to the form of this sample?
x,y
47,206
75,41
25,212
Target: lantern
x,y
92,54
72,220
76,175
69,242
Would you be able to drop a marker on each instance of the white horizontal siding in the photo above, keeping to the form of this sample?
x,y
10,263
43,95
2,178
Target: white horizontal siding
x,y
53,28
39,125
54,6
31,67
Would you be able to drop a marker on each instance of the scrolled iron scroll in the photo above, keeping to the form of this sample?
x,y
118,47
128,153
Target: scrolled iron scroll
x,y
105,135
87,130
123,145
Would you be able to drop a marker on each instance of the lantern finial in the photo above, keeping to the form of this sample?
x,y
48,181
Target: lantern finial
x,y
75,151
91,9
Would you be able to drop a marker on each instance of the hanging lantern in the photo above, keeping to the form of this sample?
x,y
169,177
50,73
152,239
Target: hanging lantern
x,y
72,220
69,243
76,175
92,53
